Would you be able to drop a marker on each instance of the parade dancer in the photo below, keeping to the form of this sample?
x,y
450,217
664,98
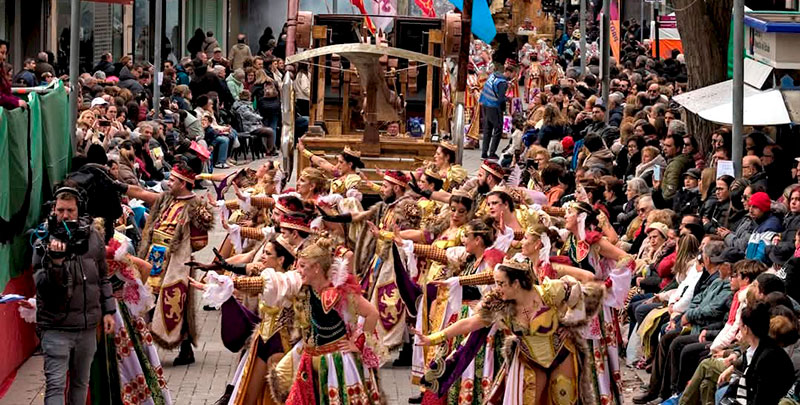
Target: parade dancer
x,y
178,225
337,357
541,344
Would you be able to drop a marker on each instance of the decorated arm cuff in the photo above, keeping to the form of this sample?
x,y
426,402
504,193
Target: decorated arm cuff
x,y
249,232
308,154
374,187
386,235
437,338
431,252
232,204
249,285
482,278
262,201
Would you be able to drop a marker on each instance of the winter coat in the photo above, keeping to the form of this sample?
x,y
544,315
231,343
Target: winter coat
x,y
791,224
182,75
194,130
549,133
738,239
719,214
43,67
769,374
74,295
238,54
684,202
7,100
671,179
615,116
601,158
234,86
209,44
105,67
25,78
710,306
250,119
127,172
128,81
766,229
759,180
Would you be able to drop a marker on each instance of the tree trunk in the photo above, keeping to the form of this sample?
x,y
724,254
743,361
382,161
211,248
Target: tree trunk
x,y
704,27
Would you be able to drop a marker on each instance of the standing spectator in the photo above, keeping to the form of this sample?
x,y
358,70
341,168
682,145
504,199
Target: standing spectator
x,y
302,90
105,65
42,66
267,97
127,164
196,43
73,295
3,51
493,105
239,52
210,43
677,164
129,79
263,41
8,100
27,76
183,72
615,101
218,60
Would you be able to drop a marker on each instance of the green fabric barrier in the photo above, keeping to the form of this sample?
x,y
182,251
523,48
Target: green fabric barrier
x,y
55,133
46,124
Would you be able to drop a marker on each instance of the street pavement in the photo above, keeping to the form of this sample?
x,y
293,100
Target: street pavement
x,y
203,382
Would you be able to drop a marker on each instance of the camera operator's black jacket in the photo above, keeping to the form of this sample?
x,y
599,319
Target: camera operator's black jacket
x,y
76,294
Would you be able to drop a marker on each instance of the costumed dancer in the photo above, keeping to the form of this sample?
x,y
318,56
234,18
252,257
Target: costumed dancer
x,y
542,347
444,164
274,334
587,249
454,302
337,357
178,225
460,212
376,272
345,171
128,361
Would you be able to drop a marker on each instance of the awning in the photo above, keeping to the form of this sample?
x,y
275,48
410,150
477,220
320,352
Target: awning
x,y
714,103
762,108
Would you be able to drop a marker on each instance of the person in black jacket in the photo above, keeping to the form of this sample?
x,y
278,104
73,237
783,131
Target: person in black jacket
x,y
105,65
686,200
73,295
768,370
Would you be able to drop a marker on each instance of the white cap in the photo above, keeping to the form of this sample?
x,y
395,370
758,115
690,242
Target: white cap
x,y
99,101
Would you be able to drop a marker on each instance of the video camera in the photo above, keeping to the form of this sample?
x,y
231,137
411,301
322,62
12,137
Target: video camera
x,y
74,234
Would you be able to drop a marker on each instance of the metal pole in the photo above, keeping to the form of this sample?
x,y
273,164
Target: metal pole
x,y
157,57
583,37
461,79
641,21
738,84
606,51
74,58
657,39
291,30
565,16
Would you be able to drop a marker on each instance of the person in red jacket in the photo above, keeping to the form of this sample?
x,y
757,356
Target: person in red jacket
x,y
8,100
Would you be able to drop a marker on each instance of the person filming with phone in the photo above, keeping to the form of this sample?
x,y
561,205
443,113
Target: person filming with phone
x,y
73,295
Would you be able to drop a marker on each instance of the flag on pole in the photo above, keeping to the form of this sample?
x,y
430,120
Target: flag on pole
x,y
359,4
427,7
482,22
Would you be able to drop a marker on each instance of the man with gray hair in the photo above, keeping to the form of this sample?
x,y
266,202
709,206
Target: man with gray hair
x,y
42,66
615,101
677,127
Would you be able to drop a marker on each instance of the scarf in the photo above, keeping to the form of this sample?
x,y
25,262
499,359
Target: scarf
x,y
645,167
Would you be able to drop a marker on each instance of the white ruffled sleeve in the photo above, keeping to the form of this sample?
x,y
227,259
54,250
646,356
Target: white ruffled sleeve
x,y
278,287
218,289
28,314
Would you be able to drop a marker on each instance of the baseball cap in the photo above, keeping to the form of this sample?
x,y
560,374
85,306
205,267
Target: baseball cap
x,y
98,101
728,255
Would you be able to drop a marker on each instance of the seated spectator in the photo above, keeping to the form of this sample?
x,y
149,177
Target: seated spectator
x,y
768,226
216,140
252,122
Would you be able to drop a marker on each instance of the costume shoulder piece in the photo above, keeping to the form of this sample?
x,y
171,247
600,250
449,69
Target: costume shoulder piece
x,y
456,174
201,214
593,237
494,309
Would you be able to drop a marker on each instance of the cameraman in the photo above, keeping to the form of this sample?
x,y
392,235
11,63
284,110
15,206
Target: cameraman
x,y
73,293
